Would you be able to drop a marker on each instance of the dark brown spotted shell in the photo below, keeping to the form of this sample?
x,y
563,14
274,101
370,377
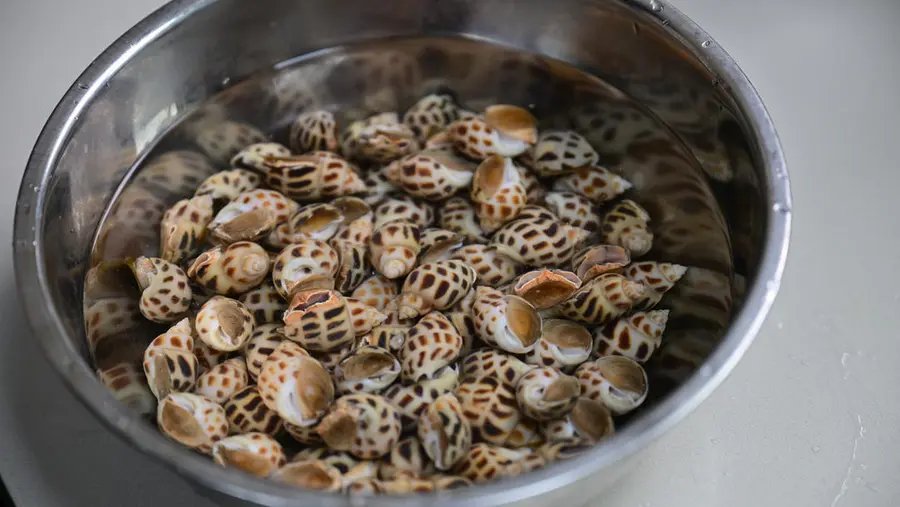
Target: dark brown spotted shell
x,y
537,241
307,264
430,345
491,269
314,130
319,320
601,300
636,336
247,413
627,225
435,286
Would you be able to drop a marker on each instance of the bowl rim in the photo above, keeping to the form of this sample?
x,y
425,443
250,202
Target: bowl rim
x,y
47,326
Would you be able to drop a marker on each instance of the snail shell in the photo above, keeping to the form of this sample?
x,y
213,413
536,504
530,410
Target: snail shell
x,y
597,184
254,156
310,474
430,115
365,425
264,303
223,380
618,382
169,361
535,192
490,268
538,241
257,454
658,277
507,322
626,225
129,386
231,270
636,336
376,291
431,175
366,369
307,264
262,342
402,207
497,192
353,265
601,300
378,139
437,285
574,209
448,482
439,245
319,320
406,459
314,221
432,344
485,462
225,186
490,406
458,215
359,220
251,215
192,420
224,324
314,130
589,420
560,151
165,293
315,175
305,435
445,432
563,344
493,363
591,262
394,247
527,433
544,288
410,401
544,393
505,130
295,385
563,449
247,413
378,186
183,228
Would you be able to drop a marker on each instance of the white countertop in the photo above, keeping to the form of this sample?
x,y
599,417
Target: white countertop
x,y
808,418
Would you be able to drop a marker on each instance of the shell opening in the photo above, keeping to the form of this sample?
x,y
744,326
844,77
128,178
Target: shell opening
x,y
512,121
352,208
545,288
561,389
311,475
306,300
231,321
180,423
315,391
367,364
162,380
320,220
627,378
592,419
490,175
248,224
338,430
567,335
523,320
602,259
245,460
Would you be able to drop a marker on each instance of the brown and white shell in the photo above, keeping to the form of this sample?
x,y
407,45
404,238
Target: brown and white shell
x,y
636,336
589,420
376,291
618,382
378,139
221,140
490,406
490,268
658,277
404,208
264,303
492,363
534,211
192,420
251,215
225,186
359,220
262,342
378,187
432,175
296,386
439,245
305,435
591,262
307,264
535,191
129,386
313,221
314,130
257,454
485,462
406,459
563,344
342,460
224,324
319,320
573,209
394,247
169,361
505,130
445,432
165,292
435,286
246,412
183,228
596,183
231,270
540,241
390,334
220,382
504,321
626,225
366,369
315,175
545,393
366,425
497,192
430,115
310,474
458,215
563,449
561,151
449,482
430,345
410,401
253,157
527,433
353,265
544,288
601,300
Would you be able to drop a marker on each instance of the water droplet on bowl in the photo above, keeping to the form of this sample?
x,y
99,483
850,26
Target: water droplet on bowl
x,y
780,208
706,43
656,6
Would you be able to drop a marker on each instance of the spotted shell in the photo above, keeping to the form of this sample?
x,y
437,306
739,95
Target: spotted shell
x,y
251,215
589,420
402,207
366,369
310,474
394,247
489,404
485,462
535,192
315,175
432,344
505,130
492,363
224,324
435,286
449,482
545,393
406,459
490,268
439,245
307,264
342,460
223,380
540,241
410,401
591,262
497,192
504,321
458,215
183,228
314,130
359,220
563,344
365,425
378,139
601,300
254,156
208,357
465,326
192,420
560,151
264,303
574,209
527,433
129,386
544,288
618,382
445,432
636,336
296,386
231,270
596,183
658,277
314,221
225,186
319,320
376,291
222,140
534,211
353,265
432,175
626,225
246,412
305,435
262,342
254,453
378,186
165,293
430,115
169,361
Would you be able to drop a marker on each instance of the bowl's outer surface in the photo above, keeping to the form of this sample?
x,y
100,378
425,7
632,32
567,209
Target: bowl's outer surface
x,y
729,217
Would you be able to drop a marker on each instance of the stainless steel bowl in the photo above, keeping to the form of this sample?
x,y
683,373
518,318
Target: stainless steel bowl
x,y
727,216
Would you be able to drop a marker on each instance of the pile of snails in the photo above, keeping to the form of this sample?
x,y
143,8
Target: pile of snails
x,y
407,304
